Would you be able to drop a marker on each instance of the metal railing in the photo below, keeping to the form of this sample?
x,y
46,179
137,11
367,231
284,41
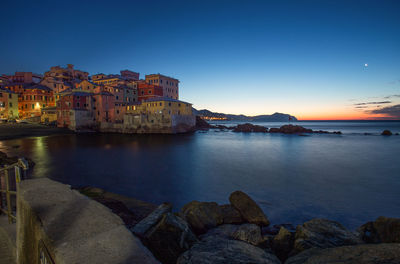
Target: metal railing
x,y
8,187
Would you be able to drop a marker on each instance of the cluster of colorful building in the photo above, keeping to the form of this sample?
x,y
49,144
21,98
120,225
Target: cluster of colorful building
x,y
73,99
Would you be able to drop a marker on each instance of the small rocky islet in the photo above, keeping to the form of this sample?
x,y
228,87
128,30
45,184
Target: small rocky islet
x,y
240,232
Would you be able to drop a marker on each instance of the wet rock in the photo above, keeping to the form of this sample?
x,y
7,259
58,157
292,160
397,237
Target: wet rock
x,y
216,250
6,160
282,244
169,238
250,128
366,254
322,233
248,209
249,233
230,215
292,129
151,220
382,230
386,133
202,216
274,229
202,124
222,231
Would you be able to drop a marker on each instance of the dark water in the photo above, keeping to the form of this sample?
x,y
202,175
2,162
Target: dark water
x,y
351,178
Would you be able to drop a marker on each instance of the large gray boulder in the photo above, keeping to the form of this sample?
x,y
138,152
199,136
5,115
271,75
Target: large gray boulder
x,y
282,243
323,233
202,216
230,214
356,254
248,208
141,228
382,230
169,238
216,250
249,233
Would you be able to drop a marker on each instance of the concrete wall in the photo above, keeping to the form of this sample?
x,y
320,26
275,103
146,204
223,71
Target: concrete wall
x,y
71,227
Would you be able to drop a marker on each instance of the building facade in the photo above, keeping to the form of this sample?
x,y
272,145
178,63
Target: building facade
x,y
8,104
24,77
147,91
170,85
33,99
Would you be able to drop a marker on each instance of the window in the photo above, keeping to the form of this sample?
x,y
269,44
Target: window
x,y
149,91
1,94
169,104
33,106
160,104
116,97
117,111
77,104
10,96
10,104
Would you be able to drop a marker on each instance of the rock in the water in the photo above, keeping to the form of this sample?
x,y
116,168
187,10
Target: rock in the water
x,y
230,215
250,128
356,254
290,129
202,124
222,231
215,250
382,230
202,216
323,233
151,220
274,229
282,244
169,238
248,209
386,133
249,233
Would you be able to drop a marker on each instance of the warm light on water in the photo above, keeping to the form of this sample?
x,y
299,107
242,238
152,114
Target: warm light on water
x,y
351,178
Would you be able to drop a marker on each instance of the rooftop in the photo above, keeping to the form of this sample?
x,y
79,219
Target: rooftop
x,y
167,99
158,74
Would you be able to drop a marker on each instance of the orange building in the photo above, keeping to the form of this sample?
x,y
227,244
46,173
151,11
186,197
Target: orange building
x,y
33,98
147,91
170,85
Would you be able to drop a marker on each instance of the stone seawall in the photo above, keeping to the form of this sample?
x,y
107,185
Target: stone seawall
x,y
66,226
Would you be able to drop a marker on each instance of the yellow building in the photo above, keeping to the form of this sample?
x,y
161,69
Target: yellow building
x,y
8,104
162,106
159,115
87,86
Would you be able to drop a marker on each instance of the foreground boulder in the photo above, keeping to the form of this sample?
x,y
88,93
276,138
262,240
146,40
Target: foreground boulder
x,y
216,250
382,230
202,216
282,243
248,208
201,124
230,214
366,254
322,233
250,128
249,233
166,235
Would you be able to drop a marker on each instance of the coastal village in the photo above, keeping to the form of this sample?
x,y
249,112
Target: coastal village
x,y
71,98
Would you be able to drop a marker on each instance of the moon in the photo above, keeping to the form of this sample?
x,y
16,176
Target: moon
x,y
365,64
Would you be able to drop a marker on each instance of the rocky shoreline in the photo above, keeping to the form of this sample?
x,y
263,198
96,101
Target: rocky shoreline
x,y
285,129
240,232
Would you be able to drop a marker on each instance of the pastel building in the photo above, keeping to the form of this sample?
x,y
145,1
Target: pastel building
x,y
74,111
159,115
170,85
33,98
8,104
24,77
66,74
104,107
147,91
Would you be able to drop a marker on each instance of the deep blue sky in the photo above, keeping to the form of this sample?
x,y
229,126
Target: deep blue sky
x,y
254,57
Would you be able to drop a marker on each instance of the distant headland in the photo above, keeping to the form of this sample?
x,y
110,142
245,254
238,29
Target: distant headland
x,y
276,117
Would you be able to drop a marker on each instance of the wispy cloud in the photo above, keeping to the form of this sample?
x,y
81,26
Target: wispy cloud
x,y
363,106
392,96
374,103
391,111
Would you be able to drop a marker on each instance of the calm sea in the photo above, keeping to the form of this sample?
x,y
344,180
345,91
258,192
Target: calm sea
x,y
351,178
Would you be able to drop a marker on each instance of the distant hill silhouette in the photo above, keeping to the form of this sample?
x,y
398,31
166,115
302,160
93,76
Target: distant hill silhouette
x,y
276,117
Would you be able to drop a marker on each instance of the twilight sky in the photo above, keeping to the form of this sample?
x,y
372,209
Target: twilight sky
x,y
307,58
